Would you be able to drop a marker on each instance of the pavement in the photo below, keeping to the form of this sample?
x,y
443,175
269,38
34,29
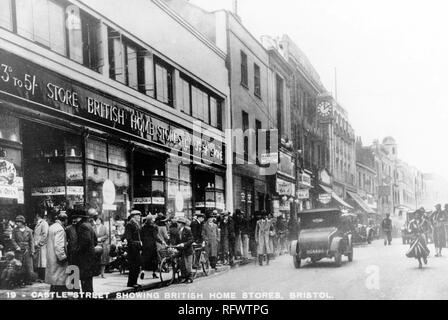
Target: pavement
x,y
112,284
377,272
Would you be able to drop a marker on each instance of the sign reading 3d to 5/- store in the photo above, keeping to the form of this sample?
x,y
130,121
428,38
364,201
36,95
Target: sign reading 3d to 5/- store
x,y
26,80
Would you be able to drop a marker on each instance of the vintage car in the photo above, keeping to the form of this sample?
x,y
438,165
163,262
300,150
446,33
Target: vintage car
x,y
324,233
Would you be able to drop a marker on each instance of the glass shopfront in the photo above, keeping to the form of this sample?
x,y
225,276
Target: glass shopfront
x,y
179,187
149,182
209,191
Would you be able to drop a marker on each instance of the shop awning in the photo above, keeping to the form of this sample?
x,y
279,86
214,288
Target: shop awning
x,y
335,196
364,206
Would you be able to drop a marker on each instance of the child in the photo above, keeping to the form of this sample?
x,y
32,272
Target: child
x,y
10,275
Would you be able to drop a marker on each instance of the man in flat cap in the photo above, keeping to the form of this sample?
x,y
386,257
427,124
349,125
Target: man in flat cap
x,y
135,245
23,243
56,251
185,243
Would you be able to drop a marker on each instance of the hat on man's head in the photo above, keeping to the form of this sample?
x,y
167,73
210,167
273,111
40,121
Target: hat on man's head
x,y
20,218
183,220
135,213
62,216
199,214
92,213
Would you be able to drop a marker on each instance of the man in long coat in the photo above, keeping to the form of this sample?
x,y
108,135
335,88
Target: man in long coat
x,y
56,255
40,244
85,257
264,246
23,243
135,245
185,241
227,237
210,236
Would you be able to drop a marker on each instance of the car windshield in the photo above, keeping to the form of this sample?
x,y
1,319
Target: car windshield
x,y
319,220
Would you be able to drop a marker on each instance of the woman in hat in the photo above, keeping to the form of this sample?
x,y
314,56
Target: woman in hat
x,y
102,234
23,243
418,249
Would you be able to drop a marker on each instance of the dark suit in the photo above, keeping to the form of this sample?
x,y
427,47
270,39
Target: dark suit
x,y
132,236
196,230
84,255
186,238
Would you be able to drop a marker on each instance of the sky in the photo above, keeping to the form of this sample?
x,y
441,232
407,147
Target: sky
x,y
391,61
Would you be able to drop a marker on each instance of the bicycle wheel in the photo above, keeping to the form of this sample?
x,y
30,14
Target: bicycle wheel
x,y
175,268
204,263
164,269
195,265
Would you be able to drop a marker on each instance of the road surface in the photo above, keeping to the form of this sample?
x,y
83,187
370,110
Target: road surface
x,y
377,272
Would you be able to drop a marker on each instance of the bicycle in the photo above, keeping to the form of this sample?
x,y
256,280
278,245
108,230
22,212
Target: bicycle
x,y
170,263
200,260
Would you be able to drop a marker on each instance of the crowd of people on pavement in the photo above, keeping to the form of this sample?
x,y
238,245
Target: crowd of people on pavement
x,y
81,238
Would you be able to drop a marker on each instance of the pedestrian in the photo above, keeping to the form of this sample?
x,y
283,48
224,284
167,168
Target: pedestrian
x,y
418,248
281,234
23,243
150,237
134,242
210,236
227,238
439,219
238,224
245,236
262,230
173,232
56,254
72,238
196,227
86,241
273,235
163,235
40,244
102,234
386,226
185,241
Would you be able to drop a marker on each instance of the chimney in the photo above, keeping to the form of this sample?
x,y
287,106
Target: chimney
x,y
235,9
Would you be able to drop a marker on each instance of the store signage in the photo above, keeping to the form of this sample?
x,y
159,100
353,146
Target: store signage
x,y
9,192
111,207
158,200
26,80
305,180
324,198
108,192
284,187
210,204
303,194
7,172
179,201
57,191
286,165
144,200
269,158
325,177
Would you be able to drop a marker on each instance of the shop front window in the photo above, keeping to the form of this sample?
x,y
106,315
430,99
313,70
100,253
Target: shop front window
x,y
179,195
209,192
107,161
149,183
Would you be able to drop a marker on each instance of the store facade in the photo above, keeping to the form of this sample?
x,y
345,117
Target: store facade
x,y
60,139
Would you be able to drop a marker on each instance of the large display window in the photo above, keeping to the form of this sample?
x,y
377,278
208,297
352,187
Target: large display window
x,y
209,191
149,183
179,187
107,161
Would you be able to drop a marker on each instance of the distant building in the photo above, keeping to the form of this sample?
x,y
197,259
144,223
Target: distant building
x,y
435,191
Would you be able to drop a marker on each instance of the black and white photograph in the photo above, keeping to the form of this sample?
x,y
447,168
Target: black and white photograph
x,y
224,150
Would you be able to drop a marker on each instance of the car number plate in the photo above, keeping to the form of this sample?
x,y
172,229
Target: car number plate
x,y
314,251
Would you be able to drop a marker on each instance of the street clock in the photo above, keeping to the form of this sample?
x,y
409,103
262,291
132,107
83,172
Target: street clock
x,y
324,108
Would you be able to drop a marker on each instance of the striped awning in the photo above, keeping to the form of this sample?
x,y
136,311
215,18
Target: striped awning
x,y
364,206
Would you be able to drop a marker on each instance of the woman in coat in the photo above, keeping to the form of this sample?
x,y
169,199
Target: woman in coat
x,y
162,233
210,236
40,245
150,238
262,238
102,235
56,255
23,244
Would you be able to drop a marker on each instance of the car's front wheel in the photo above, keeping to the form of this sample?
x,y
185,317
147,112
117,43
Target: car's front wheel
x,y
297,261
338,258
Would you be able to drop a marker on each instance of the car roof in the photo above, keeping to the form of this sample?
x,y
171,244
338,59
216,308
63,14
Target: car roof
x,y
321,210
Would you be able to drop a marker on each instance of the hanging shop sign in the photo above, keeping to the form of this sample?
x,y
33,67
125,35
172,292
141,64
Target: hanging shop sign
x,y
286,165
28,81
285,187
303,194
268,158
324,177
325,198
9,192
305,180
